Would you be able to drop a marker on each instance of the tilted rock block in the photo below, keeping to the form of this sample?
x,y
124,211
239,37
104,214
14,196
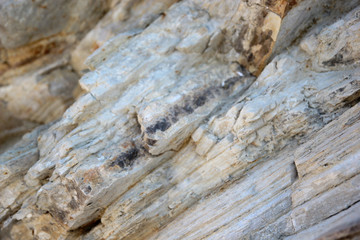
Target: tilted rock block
x,y
173,128
123,17
35,36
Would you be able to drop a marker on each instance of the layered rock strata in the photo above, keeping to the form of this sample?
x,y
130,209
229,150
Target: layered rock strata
x,y
198,120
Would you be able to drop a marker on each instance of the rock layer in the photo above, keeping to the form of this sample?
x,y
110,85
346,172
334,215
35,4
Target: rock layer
x,y
201,112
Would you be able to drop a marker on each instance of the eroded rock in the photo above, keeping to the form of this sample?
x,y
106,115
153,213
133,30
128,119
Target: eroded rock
x,y
173,128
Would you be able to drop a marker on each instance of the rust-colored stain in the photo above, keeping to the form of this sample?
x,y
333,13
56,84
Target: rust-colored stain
x,y
253,55
280,7
290,5
92,175
163,15
21,56
94,46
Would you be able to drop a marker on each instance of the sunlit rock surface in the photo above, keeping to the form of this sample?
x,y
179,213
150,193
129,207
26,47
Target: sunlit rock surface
x,y
195,120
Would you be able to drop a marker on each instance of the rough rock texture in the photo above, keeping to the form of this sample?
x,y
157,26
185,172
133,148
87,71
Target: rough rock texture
x,y
36,80
195,120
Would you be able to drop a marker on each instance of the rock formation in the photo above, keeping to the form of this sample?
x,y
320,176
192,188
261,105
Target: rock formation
x,y
192,119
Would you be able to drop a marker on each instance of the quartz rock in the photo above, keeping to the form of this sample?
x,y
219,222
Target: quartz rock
x,y
128,15
201,112
14,164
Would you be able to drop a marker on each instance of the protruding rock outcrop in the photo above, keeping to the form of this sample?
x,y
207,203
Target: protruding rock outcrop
x,y
196,120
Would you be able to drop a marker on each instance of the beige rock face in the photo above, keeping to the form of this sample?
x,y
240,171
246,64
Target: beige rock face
x,y
36,80
129,15
198,120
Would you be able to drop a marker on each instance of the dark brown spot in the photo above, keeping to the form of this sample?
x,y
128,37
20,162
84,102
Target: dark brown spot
x,y
230,82
188,109
337,59
250,58
266,42
270,3
87,189
126,159
151,142
199,101
341,89
73,204
290,5
161,125
237,44
58,214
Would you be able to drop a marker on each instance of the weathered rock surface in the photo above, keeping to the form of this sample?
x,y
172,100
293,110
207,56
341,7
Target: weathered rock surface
x,y
36,79
127,16
198,120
